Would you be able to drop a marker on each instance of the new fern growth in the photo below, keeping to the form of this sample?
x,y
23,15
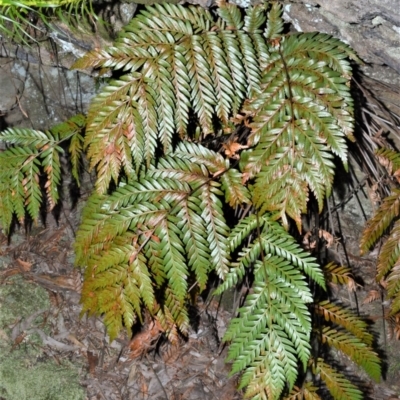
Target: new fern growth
x,y
191,84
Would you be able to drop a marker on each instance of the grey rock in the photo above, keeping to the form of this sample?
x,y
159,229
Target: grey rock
x,y
49,95
11,86
371,27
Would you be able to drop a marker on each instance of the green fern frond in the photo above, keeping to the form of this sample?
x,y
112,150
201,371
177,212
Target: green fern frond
x,y
24,137
32,161
276,283
192,67
293,86
230,15
203,94
184,72
355,348
345,318
339,386
276,364
173,219
274,26
236,64
384,216
255,17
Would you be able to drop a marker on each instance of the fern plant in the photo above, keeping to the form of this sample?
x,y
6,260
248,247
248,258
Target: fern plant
x,y
31,164
211,113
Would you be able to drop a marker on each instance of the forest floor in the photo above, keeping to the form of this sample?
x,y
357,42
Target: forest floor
x,y
41,331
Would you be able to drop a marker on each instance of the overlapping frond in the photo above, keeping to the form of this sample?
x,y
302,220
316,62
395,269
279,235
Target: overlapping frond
x,y
355,348
343,317
338,274
177,60
274,321
302,115
168,225
32,163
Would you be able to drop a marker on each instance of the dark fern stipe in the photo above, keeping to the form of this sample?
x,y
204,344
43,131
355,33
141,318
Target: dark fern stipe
x,y
163,140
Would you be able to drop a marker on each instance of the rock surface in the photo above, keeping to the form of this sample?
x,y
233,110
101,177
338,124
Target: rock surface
x,y
371,27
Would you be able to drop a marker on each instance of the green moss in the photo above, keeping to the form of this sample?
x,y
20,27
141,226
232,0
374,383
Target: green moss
x,y
20,299
26,372
23,376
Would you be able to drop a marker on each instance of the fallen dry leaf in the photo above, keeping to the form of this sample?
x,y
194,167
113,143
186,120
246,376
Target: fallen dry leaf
x,y
142,342
231,149
93,360
25,266
329,238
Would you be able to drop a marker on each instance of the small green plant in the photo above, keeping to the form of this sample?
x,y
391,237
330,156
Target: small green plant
x,y
212,112
19,20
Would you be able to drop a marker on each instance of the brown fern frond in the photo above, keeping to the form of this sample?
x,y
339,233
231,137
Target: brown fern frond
x,y
345,318
372,295
306,392
394,326
339,274
358,351
390,159
389,254
384,216
339,386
